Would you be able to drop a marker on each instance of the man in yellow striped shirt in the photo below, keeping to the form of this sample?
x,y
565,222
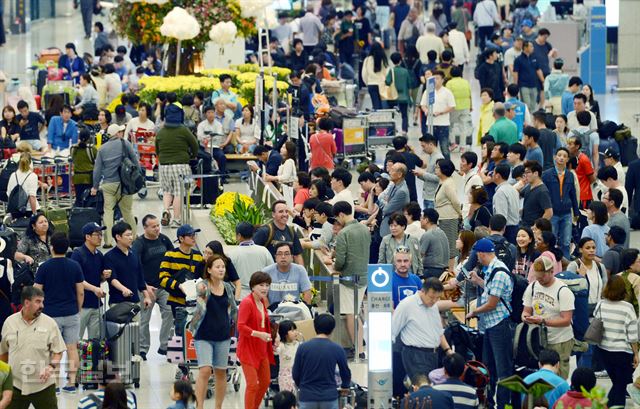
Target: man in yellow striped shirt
x,y
178,265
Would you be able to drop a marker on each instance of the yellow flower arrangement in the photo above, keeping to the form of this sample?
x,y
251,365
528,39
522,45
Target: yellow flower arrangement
x,y
281,72
246,77
217,72
248,89
181,85
224,202
112,106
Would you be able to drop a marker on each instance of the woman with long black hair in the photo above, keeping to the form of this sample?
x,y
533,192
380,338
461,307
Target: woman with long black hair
x,y
374,72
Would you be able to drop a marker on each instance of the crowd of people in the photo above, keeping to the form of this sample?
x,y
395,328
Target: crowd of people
x,y
546,195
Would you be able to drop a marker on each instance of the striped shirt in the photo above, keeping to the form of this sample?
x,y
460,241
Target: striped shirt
x,y
174,263
464,396
620,325
88,403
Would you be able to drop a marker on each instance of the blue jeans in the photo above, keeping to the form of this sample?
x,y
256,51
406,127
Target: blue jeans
x,y
376,101
329,404
441,134
562,225
218,156
497,354
429,204
179,319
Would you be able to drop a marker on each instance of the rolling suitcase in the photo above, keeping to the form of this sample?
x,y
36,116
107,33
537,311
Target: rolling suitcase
x,y
78,217
94,353
124,350
628,150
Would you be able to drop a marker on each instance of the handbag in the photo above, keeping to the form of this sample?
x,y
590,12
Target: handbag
x,y
122,313
389,92
467,33
595,332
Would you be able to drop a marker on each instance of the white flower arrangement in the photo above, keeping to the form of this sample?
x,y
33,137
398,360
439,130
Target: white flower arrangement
x,y
179,24
223,33
254,8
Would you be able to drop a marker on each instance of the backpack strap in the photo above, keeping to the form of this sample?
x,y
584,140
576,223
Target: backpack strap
x,y
492,275
270,235
543,338
516,338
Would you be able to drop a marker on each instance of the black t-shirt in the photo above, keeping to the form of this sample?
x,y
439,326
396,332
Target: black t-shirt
x,y
151,253
215,325
232,273
278,236
363,28
548,145
30,130
536,201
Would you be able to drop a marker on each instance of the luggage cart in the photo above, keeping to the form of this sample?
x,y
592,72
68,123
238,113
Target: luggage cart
x,y
351,140
382,126
56,172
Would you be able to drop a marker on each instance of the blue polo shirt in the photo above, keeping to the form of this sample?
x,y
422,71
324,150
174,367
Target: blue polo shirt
x,y
92,265
58,277
127,269
541,53
403,287
526,67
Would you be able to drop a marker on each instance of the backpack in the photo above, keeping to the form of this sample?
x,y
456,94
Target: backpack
x,y
476,374
272,233
631,295
584,137
18,198
520,285
528,341
23,276
503,253
9,169
580,288
131,177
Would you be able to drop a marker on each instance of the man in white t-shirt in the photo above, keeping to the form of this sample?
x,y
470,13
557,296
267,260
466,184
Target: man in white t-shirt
x,y
550,302
510,57
340,181
444,103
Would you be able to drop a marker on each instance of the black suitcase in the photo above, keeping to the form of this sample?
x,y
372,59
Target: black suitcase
x,y
8,170
210,186
87,200
78,217
628,150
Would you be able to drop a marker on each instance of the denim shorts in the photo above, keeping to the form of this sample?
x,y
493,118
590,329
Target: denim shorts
x,y
213,353
69,327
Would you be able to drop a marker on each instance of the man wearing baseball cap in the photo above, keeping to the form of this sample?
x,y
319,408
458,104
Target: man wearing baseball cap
x,y
178,265
493,315
107,171
549,301
612,158
91,261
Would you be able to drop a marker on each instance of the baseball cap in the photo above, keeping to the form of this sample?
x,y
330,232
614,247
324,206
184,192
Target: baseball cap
x,y
610,153
120,110
527,22
546,261
187,230
484,246
113,129
91,228
509,105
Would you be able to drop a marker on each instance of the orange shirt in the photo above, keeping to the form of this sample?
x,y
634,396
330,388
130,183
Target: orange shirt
x,y
584,170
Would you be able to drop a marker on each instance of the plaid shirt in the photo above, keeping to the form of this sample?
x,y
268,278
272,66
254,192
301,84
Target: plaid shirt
x,y
500,286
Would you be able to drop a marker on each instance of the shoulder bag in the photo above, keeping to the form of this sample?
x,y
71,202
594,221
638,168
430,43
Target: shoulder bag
x,y
389,92
595,332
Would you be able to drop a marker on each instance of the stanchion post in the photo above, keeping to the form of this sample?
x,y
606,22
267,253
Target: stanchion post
x,y
356,320
335,289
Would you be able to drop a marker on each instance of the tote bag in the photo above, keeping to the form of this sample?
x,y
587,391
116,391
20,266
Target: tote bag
x,y
389,92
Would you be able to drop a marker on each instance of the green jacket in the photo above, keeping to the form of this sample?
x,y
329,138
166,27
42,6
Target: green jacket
x,y
402,83
83,160
352,252
176,146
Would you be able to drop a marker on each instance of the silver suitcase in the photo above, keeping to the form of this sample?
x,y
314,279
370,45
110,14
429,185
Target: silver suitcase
x,y
125,351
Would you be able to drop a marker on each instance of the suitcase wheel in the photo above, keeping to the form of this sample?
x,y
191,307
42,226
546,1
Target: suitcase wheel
x,y
209,393
136,385
143,193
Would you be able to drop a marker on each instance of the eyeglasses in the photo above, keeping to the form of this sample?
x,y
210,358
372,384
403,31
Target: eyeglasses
x,y
403,249
283,254
97,234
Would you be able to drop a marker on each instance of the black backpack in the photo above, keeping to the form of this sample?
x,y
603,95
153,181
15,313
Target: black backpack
x,y
131,177
5,175
528,341
18,198
504,253
520,285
